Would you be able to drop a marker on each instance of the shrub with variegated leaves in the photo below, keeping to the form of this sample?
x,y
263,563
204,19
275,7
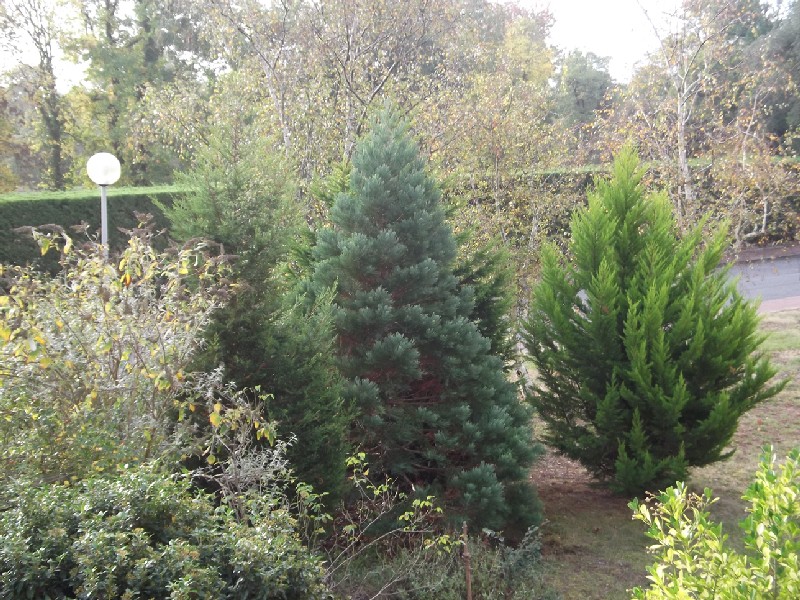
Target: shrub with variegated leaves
x,y
93,361
695,558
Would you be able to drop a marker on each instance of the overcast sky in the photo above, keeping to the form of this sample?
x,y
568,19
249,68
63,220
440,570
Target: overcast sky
x,y
617,29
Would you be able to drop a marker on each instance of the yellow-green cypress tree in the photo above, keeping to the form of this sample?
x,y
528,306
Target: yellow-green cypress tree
x,y
646,353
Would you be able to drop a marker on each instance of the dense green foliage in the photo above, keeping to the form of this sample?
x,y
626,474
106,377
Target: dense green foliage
x,y
489,272
432,405
646,354
99,406
583,83
694,557
784,118
97,383
68,209
145,534
241,195
647,357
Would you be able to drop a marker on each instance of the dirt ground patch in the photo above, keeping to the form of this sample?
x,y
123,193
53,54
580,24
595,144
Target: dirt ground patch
x,y
591,547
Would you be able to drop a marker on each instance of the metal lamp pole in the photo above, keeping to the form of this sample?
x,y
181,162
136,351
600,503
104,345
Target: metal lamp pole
x,y
104,170
104,219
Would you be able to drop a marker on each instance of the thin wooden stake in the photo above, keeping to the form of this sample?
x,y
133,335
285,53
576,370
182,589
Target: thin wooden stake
x,y
467,565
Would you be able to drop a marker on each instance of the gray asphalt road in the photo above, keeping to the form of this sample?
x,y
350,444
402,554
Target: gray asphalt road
x,y
776,281
770,279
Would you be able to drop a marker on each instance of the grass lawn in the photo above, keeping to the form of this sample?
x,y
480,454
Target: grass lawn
x,y
592,549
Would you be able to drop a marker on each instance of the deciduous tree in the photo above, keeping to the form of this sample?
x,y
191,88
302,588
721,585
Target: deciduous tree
x,y
33,23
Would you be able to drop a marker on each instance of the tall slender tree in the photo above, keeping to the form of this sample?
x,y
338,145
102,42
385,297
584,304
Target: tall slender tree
x,y
240,193
32,23
131,47
433,406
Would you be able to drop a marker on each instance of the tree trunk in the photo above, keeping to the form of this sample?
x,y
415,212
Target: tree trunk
x,y
685,198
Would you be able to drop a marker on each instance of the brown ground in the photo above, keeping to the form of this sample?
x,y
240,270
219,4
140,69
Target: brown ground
x,y
564,483
591,547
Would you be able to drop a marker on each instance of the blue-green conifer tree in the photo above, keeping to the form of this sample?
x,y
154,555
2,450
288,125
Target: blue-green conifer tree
x,y
433,406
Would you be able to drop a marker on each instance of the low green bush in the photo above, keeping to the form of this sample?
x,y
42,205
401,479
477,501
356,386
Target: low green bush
x,y
68,209
694,557
146,535
498,572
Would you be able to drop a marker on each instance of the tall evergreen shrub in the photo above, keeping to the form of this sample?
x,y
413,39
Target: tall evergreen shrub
x,y
433,406
646,354
241,194
489,271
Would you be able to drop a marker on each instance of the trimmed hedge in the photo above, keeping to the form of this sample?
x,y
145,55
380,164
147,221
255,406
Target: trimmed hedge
x,y
68,209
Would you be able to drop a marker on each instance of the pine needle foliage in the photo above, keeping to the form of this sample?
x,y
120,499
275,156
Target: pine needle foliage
x,y
433,406
646,353
489,271
241,195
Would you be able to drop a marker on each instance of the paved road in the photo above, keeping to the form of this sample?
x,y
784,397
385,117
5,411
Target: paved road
x,y
775,280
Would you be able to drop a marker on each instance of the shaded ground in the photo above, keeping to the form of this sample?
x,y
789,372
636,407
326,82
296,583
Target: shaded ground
x,y
591,547
593,550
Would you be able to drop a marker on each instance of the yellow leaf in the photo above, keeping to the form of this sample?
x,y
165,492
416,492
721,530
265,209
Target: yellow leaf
x,y
45,362
215,419
212,459
218,407
191,407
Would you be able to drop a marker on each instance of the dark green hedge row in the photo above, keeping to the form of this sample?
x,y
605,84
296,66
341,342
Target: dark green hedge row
x,y
68,209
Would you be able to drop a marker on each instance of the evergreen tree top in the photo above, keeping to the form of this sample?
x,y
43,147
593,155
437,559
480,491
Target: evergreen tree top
x,y
391,191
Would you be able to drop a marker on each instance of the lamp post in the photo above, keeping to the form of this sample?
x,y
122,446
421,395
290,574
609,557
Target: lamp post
x,y
104,170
